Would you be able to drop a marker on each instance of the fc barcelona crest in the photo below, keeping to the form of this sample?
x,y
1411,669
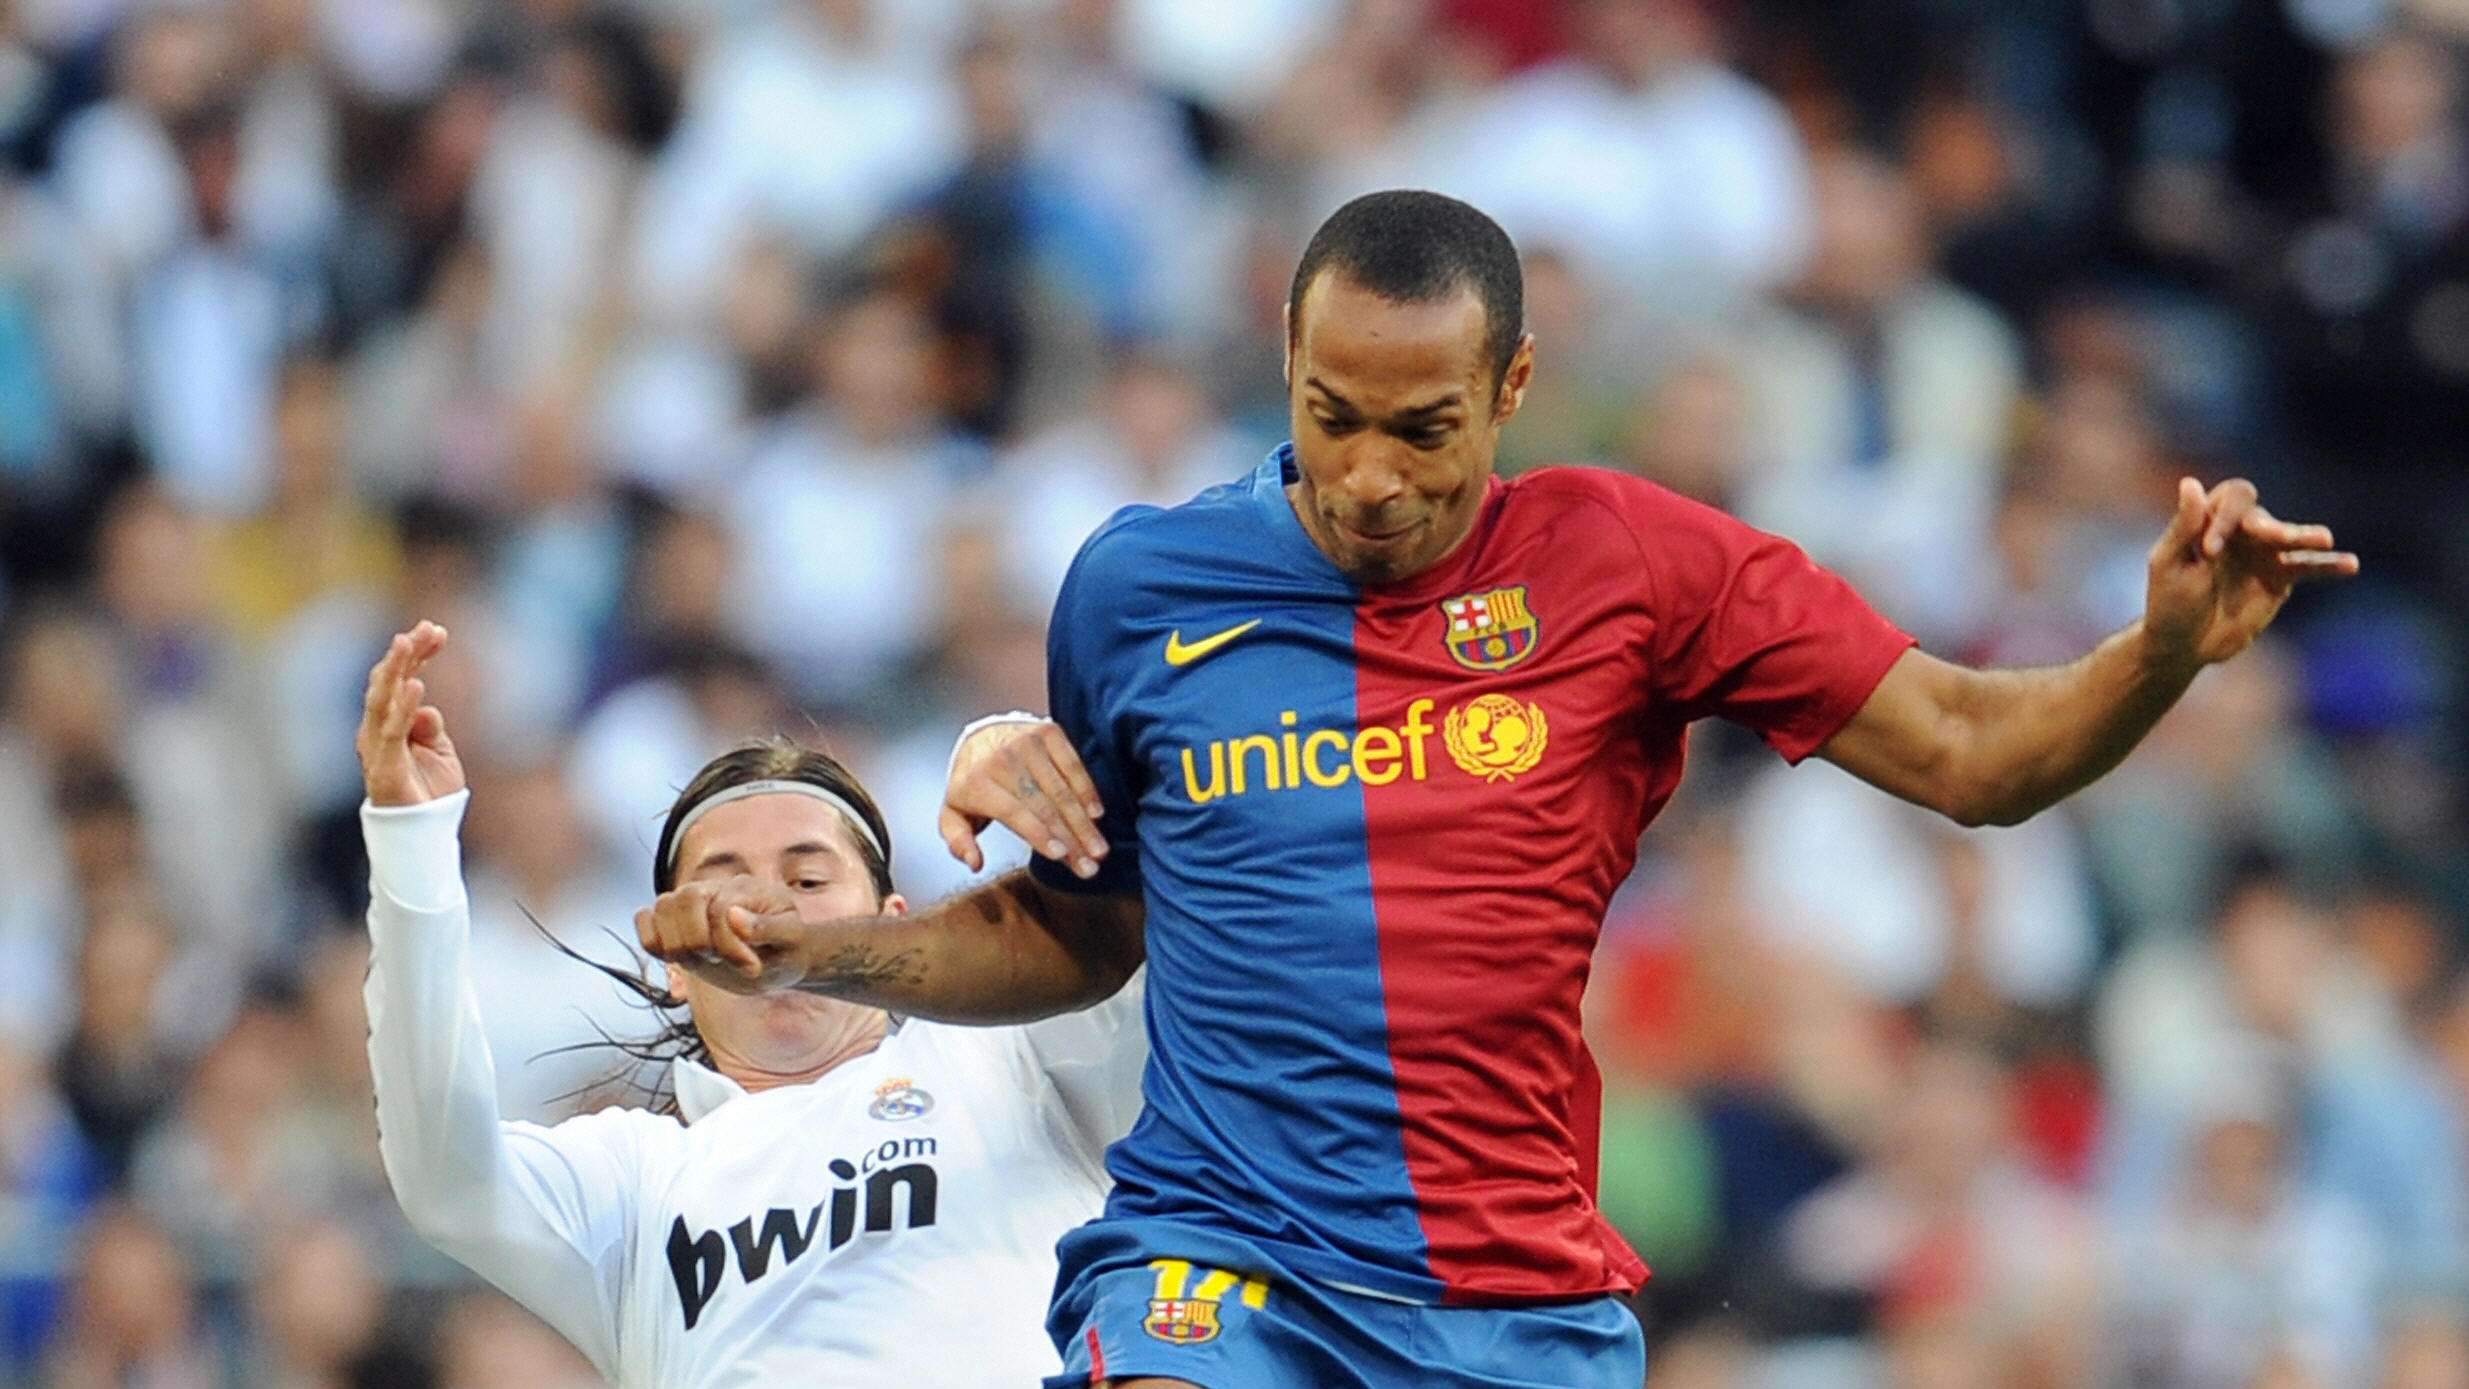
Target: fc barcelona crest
x,y
1185,1314
1186,1321
1491,630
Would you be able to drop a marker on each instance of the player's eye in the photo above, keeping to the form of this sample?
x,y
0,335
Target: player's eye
x,y
811,884
1431,438
1332,427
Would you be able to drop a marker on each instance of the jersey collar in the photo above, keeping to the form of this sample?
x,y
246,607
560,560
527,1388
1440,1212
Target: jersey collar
x,y
700,1089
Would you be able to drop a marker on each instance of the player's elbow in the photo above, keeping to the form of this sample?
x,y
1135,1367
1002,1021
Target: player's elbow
x,y
430,1210
442,1194
1982,805
1969,780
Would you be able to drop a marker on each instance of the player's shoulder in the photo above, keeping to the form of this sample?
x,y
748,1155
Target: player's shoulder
x,y
1575,497
628,1134
1132,542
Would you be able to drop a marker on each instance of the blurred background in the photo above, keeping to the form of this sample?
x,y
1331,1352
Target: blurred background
x,y
716,367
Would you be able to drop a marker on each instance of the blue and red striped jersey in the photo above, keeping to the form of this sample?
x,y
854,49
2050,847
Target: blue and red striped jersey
x,y
1376,829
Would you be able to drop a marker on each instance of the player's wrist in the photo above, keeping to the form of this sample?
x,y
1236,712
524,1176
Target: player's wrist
x,y
969,743
2162,656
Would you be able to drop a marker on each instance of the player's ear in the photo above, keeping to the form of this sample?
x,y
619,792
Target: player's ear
x,y
1514,381
894,905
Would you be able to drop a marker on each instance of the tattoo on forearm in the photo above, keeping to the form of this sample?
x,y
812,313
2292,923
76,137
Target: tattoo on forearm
x,y
859,965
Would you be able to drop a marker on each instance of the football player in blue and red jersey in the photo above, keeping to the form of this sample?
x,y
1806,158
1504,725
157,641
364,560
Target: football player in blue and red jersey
x,y
1374,734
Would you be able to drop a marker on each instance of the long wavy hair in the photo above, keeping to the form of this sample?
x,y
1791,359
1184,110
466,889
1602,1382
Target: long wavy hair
x,y
764,759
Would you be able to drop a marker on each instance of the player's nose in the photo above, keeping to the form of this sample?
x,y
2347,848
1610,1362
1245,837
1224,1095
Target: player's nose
x,y
1373,483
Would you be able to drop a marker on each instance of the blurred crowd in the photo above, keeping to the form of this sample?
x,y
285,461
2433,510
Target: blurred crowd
x,y
718,367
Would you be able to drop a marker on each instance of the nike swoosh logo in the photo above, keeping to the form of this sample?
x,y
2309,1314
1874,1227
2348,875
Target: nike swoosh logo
x,y
1179,654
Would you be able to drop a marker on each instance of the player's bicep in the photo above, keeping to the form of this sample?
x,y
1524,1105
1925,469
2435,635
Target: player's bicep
x,y
1906,738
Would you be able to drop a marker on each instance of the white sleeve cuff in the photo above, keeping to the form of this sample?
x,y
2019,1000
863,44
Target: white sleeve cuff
x,y
978,725
416,852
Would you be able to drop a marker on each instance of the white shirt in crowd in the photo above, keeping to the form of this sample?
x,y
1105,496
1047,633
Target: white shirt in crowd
x,y
896,1216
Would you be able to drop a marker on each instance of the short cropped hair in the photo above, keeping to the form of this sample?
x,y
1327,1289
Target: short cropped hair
x,y
1414,247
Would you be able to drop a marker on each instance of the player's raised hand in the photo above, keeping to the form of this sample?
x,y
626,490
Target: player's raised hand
x,y
1026,778
405,756
2221,572
741,933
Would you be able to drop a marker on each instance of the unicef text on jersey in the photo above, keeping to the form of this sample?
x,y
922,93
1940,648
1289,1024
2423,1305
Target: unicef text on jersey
x,y
1492,737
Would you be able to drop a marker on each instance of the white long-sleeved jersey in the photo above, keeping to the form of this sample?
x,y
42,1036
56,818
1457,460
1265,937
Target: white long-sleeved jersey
x,y
896,1217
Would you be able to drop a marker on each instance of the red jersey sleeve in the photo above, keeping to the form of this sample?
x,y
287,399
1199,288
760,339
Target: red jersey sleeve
x,y
1747,627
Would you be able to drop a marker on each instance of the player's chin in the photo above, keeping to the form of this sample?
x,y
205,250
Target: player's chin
x,y
789,1017
1380,559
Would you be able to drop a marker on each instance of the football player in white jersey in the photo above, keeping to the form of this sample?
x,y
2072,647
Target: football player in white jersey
x,y
841,1197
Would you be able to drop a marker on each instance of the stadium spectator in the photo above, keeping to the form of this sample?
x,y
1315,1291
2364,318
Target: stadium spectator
x,y
118,1070
2370,1122
317,535
651,734
486,1341
317,1305
2247,1263
239,1162
542,885
1954,1249
867,462
813,122
133,1318
1911,906
1880,397
1646,160
49,1175
1153,437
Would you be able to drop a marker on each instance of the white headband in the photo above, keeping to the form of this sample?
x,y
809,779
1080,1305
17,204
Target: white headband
x,y
774,788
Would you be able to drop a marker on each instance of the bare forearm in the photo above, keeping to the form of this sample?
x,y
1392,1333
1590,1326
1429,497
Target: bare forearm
x,y
1996,747
1007,952
2031,738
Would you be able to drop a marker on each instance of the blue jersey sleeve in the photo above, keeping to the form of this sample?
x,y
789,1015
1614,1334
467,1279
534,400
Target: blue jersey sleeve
x,y
1085,694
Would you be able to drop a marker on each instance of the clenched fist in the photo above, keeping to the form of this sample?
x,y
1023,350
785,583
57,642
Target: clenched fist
x,y
741,934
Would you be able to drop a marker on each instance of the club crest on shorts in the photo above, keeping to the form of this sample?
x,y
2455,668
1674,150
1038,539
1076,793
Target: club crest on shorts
x,y
1491,630
1186,1321
1184,1309
899,1098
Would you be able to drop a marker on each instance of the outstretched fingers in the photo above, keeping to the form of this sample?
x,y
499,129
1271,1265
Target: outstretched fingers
x,y
2294,552
2299,566
2263,528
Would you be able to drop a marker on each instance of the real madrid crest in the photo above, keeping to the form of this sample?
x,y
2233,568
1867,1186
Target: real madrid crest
x,y
1491,630
899,1098
1495,737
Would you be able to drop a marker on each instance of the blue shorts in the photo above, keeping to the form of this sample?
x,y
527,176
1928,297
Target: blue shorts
x,y
1225,1328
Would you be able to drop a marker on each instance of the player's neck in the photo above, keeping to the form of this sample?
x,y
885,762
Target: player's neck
x,y
833,1044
